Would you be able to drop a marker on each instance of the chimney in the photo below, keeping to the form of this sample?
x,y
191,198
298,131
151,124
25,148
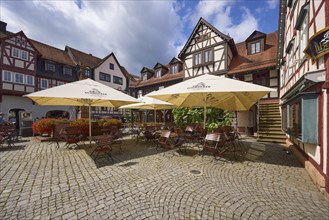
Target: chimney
x,y
3,26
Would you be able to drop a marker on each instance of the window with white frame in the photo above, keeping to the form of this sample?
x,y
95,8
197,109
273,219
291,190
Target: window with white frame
x,y
15,52
19,78
303,38
255,47
282,79
291,62
174,69
44,83
18,53
197,59
208,56
29,80
24,55
145,76
6,76
50,66
67,71
158,73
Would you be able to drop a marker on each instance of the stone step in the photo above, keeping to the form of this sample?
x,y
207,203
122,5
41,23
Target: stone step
x,y
269,120
269,128
272,140
271,133
269,116
269,111
262,111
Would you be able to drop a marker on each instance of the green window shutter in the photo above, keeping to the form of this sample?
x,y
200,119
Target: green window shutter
x,y
301,17
310,119
289,46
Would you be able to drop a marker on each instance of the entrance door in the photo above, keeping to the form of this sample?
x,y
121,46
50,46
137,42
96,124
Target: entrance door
x,y
262,79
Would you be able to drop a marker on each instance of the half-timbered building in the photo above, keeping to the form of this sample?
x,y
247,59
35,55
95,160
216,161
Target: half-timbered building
x,y
160,76
304,73
207,51
107,71
27,66
256,62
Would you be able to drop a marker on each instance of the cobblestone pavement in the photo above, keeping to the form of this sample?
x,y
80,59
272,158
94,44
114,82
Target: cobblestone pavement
x,y
38,181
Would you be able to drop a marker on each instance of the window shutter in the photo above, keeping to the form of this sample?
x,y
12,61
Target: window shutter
x,y
310,119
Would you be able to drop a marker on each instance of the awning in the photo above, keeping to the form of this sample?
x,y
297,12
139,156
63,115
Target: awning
x,y
306,81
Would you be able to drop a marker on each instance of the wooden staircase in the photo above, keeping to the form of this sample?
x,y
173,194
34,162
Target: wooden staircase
x,y
269,128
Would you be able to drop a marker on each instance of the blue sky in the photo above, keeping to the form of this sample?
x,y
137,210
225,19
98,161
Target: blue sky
x,y
140,33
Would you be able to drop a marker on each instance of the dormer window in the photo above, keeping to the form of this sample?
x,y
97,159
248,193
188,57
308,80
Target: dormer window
x,y
255,47
256,42
145,76
174,69
87,73
158,73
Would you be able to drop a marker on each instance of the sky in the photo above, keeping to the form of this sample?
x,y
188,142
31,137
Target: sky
x,y
140,33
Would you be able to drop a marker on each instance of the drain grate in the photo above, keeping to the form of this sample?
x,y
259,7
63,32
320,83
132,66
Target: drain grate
x,y
195,171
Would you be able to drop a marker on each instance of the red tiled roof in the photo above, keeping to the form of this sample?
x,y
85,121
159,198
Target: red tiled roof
x,y
52,53
5,34
245,63
153,80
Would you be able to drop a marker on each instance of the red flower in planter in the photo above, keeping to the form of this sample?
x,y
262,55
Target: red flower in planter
x,y
46,125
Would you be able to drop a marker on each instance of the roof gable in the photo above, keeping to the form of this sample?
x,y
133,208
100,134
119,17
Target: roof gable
x,y
145,70
159,65
28,41
174,61
195,31
122,69
256,35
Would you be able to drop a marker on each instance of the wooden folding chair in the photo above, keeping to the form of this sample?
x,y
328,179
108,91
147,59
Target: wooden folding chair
x,y
72,135
103,145
213,144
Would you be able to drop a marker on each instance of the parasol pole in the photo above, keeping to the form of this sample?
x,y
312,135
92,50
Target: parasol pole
x,y
204,117
155,119
89,123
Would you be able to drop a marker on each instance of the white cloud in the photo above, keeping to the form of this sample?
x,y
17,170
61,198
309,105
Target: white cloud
x,y
219,13
241,31
139,33
272,3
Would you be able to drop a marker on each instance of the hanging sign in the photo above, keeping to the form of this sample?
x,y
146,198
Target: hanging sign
x,y
318,44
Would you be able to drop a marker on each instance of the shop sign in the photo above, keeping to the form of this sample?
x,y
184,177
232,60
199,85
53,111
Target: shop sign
x,y
318,45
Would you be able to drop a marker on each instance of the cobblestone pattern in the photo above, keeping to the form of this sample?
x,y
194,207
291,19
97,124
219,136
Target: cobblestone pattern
x,y
37,181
